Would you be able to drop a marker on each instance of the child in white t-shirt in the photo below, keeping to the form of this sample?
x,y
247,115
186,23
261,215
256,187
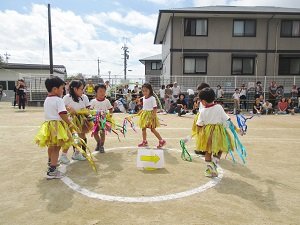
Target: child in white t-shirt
x,y
101,103
236,99
214,138
77,105
55,132
148,117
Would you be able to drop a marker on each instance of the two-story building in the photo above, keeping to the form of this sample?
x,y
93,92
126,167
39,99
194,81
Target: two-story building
x,y
229,41
153,69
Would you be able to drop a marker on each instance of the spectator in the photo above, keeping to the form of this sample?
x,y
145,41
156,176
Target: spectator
x,y
191,96
267,108
261,99
67,88
280,92
132,106
136,89
219,94
291,106
257,107
1,92
196,105
119,106
125,89
89,90
282,106
258,90
168,97
273,93
16,99
162,94
243,96
176,91
294,92
236,100
21,93
108,90
181,105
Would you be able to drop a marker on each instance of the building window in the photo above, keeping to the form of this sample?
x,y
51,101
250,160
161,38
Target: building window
x,y
243,65
244,28
194,65
3,83
11,85
290,28
195,27
289,65
155,66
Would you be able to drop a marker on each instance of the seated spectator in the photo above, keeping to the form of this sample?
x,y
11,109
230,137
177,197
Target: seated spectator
x,y
196,105
257,107
294,92
132,106
181,105
291,106
119,106
261,99
267,108
282,106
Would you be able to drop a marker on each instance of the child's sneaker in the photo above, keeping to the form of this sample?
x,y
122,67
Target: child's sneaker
x,y
64,159
161,143
56,174
143,144
211,170
97,149
101,149
78,156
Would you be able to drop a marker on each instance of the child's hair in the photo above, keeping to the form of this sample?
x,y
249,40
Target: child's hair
x,y
202,86
237,89
53,82
103,86
163,86
75,84
207,94
181,95
149,87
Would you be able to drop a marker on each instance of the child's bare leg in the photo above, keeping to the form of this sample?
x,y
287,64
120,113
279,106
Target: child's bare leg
x,y
144,133
154,131
54,153
102,136
207,157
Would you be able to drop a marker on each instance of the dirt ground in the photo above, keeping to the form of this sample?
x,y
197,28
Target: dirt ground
x,y
265,191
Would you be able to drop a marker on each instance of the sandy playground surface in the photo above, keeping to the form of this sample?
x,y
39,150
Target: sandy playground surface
x,y
265,191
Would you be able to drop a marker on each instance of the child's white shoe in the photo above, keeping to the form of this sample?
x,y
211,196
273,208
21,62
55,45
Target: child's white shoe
x,y
64,159
78,156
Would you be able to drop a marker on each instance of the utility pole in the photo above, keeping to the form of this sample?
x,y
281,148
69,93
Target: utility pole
x,y
98,67
6,57
50,40
109,72
126,57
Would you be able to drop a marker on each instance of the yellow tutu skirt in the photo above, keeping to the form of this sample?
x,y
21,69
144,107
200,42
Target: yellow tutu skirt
x,y
214,138
111,120
147,120
80,120
195,128
54,133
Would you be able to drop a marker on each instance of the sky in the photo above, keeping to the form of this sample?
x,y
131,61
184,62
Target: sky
x,y
85,30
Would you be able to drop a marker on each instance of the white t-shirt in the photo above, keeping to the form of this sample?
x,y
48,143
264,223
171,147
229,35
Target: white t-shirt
x,y
236,96
176,90
120,106
243,92
162,93
212,115
103,105
53,106
190,92
201,106
82,104
149,103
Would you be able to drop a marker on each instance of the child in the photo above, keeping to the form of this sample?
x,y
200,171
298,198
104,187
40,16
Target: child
x,y
236,100
55,132
101,103
195,128
181,105
214,138
76,103
257,107
148,117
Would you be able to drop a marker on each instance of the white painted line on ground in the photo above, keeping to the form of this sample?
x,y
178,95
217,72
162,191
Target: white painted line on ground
x,y
71,184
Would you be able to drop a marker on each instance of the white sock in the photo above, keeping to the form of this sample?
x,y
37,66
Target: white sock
x,y
216,160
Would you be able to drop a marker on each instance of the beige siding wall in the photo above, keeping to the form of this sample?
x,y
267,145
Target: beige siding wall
x,y
149,71
220,38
